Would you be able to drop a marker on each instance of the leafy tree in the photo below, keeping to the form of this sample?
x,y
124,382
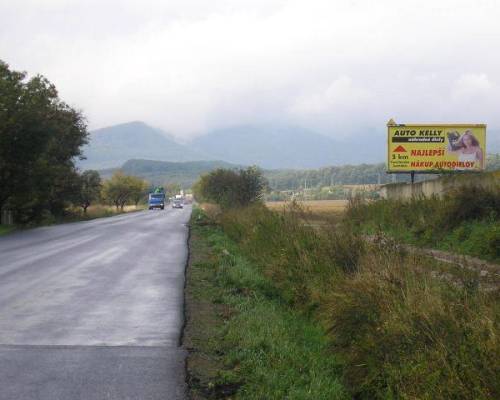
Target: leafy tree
x,y
40,137
89,190
139,189
121,189
230,188
252,186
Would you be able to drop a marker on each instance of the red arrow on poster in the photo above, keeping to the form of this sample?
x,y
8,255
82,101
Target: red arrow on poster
x,y
399,149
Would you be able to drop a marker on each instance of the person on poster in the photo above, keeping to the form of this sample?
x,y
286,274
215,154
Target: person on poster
x,y
467,149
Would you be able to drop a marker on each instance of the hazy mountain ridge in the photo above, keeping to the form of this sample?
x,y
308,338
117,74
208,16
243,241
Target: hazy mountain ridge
x,y
283,147
112,146
270,147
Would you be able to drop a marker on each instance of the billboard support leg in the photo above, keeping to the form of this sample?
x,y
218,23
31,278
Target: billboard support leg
x,y
412,174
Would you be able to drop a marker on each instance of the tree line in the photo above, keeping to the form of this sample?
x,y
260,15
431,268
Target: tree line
x,y
361,174
41,137
120,190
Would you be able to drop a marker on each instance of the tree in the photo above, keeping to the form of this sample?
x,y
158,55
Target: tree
x,y
139,189
252,186
122,188
40,137
89,189
229,188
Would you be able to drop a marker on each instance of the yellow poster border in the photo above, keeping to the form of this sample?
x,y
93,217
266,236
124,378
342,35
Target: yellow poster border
x,y
392,124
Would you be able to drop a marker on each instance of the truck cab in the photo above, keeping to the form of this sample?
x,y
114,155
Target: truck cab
x,y
156,200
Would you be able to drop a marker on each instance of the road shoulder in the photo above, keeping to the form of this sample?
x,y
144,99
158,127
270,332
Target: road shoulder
x,y
203,320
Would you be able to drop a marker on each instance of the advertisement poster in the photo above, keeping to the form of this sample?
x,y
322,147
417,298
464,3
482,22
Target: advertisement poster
x,y
436,148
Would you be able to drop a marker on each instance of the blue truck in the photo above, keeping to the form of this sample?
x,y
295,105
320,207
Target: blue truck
x,y
157,199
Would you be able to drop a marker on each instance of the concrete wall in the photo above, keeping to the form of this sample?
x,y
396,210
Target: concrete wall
x,y
439,187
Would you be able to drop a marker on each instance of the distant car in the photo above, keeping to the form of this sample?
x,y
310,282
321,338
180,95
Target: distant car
x,y
177,204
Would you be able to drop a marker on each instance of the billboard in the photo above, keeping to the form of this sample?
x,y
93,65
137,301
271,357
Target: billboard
x,y
436,147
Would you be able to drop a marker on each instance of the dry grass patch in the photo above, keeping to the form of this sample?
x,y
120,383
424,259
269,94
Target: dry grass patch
x,y
317,211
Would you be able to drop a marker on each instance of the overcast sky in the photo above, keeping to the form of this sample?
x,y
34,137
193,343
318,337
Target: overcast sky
x,y
335,66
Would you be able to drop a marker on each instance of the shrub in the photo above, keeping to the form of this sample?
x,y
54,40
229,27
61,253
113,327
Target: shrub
x,y
229,188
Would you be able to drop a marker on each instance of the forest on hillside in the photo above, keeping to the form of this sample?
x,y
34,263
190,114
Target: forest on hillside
x,y
186,173
361,174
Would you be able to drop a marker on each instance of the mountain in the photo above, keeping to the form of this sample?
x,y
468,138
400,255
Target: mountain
x,y
268,146
285,147
112,146
162,172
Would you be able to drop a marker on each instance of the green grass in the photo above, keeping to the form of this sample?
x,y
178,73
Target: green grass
x,y
466,221
278,355
5,229
268,350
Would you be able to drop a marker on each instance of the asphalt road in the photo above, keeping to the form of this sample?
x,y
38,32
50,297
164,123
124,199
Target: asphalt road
x,y
94,310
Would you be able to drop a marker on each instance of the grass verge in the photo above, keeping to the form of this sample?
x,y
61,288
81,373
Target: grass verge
x,y
98,211
244,339
5,229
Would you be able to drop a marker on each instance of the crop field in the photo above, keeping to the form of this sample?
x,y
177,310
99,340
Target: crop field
x,y
321,210
313,206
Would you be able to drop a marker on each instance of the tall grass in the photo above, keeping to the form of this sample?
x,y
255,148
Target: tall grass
x,y
466,220
401,331
269,351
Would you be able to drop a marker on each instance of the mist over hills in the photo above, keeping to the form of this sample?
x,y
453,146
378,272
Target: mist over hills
x,y
266,146
270,147
287,147
112,146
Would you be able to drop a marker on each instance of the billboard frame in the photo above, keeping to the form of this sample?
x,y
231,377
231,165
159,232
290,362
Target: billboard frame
x,y
391,123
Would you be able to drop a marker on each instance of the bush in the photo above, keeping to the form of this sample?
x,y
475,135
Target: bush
x,y
229,188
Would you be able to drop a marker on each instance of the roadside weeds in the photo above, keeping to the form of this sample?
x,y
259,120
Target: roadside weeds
x,y
243,340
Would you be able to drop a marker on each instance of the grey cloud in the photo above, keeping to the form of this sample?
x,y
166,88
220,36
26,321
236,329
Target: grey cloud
x,y
190,66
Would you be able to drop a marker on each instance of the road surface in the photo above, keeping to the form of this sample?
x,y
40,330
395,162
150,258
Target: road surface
x,y
94,310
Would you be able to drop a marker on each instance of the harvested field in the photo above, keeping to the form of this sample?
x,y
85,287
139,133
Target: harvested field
x,y
313,206
319,212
